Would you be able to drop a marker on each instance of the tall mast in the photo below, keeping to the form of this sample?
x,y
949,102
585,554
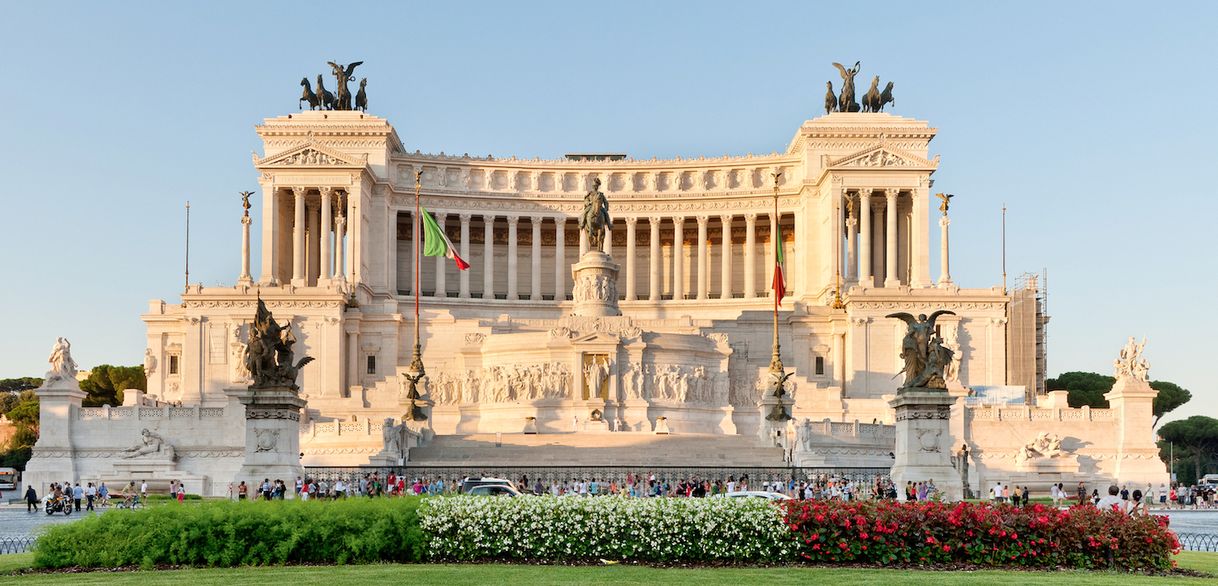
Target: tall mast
x,y
187,244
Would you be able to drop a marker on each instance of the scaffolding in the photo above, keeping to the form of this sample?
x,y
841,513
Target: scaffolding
x,y
1027,337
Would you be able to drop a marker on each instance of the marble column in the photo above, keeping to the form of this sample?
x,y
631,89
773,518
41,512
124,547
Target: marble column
x,y
852,261
535,266
245,278
653,265
441,261
353,377
678,258
607,243
725,258
464,275
313,246
298,238
560,260
919,249
340,258
750,256
864,253
583,243
890,240
703,277
327,222
513,269
631,223
945,274
772,250
488,257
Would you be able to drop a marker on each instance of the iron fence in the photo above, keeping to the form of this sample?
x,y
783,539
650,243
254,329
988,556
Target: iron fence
x,y
1198,541
20,544
863,478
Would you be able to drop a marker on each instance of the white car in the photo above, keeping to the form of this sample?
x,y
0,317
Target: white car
x,y
493,490
756,494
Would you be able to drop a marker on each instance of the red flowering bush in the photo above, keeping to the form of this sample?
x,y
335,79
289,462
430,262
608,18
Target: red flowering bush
x,y
888,532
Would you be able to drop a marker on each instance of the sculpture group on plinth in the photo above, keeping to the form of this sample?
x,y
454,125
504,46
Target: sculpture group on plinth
x,y
594,220
63,368
323,99
594,277
873,101
924,352
269,353
1131,364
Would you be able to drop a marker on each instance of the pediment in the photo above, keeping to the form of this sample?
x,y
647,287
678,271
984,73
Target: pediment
x,y
310,154
882,156
597,338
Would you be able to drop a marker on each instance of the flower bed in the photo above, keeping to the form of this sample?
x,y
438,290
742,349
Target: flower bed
x,y
572,528
982,534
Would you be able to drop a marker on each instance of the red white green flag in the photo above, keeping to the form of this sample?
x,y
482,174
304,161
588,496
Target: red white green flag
x,y
780,282
436,242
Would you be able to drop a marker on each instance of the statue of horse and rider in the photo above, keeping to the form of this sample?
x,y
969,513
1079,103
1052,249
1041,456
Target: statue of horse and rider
x,y
594,220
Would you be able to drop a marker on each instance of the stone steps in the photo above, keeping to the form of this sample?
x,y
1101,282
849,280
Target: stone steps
x,y
598,449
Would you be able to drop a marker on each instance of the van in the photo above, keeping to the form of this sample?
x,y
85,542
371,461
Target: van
x,y
8,479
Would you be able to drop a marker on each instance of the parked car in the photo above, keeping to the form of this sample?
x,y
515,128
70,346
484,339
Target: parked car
x,y
755,494
493,490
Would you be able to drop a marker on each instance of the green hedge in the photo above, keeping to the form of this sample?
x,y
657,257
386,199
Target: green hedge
x,y
239,533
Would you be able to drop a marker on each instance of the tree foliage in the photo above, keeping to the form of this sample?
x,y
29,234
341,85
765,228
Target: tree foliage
x,y
1195,438
1088,388
24,415
106,383
16,385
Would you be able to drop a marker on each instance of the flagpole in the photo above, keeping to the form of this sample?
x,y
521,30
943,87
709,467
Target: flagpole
x,y
416,371
187,244
776,359
778,373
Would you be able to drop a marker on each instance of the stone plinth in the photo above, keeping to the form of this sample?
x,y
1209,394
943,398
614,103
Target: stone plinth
x,y
1137,456
923,419
272,434
158,473
595,285
59,399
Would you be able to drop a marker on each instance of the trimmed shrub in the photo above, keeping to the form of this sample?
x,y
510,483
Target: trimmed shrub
x,y
570,528
983,534
230,533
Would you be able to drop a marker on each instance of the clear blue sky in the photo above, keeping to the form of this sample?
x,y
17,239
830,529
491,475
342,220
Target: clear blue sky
x,y
1089,119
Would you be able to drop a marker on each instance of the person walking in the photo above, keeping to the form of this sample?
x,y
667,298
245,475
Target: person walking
x,y
78,494
31,500
90,494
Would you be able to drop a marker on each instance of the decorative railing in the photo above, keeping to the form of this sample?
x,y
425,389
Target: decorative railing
x,y
995,413
20,544
1198,541
90,413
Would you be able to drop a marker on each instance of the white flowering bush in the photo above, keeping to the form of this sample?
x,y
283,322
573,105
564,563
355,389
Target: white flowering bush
x,y
573,528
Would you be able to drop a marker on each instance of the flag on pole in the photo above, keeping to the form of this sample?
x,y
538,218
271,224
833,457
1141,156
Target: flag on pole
x,y
436,242
780,282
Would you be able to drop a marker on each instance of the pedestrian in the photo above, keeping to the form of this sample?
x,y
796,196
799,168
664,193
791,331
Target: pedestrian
x,y
31,500
144,491
242,491
1082,493
90,494
78,494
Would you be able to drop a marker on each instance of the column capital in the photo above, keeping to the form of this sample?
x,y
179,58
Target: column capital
x,y
726,218
678,220
944,220
866,193
702,220
465,217
631,221
560,220
892,192
655,220
440,217
852,221
325,191
750,218
247,220
512,220
299,192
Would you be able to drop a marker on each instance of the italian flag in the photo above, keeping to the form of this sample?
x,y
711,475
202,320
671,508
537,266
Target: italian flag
x,y
436,242
780,282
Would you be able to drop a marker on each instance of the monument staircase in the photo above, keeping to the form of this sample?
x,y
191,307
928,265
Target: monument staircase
x,y
596,448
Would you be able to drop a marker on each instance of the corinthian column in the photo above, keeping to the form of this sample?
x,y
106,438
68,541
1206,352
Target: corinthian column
x,y
852,261
631,222
890,239
945,274
750,256
327,206
703,277
678,258
725,261
864,252
441,261
535,268
488,257
511,258
245,277
463,293
298,239
653,265
560,260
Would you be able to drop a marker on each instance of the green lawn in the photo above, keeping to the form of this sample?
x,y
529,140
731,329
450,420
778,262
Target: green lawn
x,y
609,575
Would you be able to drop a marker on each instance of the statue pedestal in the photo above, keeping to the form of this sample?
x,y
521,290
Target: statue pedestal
x,y
158,473
595,285
775,413
272,434
59,399
922,448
